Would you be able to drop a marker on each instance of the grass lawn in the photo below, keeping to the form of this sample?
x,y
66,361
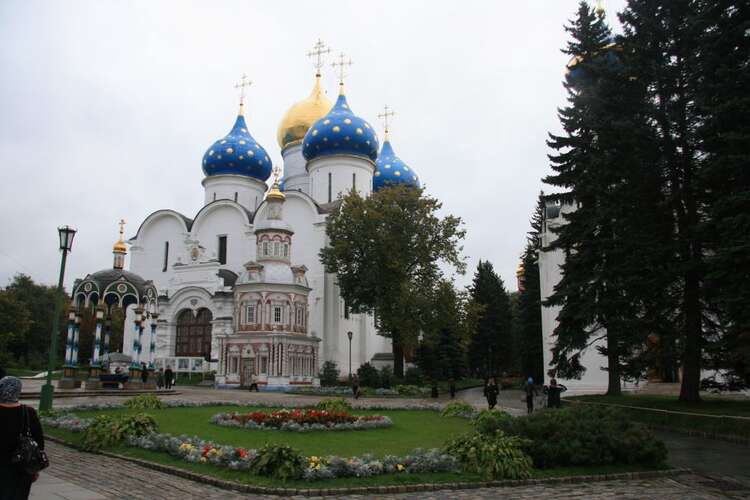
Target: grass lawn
x,y
704,421
410,430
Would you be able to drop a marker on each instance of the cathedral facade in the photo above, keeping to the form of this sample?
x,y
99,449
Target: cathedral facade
x,y
241,286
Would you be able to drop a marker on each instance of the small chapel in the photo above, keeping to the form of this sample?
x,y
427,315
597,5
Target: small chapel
x,y
241,289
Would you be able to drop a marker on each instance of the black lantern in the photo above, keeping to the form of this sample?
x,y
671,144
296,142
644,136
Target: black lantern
x,y
66,234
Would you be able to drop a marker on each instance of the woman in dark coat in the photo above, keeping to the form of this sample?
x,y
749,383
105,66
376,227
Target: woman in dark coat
x,y
490,392
15,482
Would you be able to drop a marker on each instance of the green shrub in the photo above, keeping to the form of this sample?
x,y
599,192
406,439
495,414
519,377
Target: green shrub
x,y
386,377
106,431
329,374
368,376
409,390
145,402
102,433
490,421
458,409
334,405
279,462
585,435
413,376
498,456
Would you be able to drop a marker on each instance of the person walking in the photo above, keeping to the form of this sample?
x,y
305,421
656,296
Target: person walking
x,y
160,379
144,373
15,482
553,393
253,383
355,386
491,392
531,393
452,388
168,377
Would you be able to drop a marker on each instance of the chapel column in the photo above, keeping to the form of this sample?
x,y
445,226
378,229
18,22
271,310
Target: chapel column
x,y
69,370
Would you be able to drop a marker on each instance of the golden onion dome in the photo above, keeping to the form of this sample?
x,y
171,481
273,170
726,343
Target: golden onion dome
x,y
301,116
119,246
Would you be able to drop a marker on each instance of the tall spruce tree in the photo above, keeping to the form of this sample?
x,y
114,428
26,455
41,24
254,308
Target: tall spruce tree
x,y
663,41
441,354
605,162
529,316
490,344
723,103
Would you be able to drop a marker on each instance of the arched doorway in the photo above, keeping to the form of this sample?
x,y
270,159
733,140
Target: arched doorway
x,y
194,334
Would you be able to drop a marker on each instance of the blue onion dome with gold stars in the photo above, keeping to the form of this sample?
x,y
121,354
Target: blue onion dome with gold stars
x,y
340,132
391,171
238,153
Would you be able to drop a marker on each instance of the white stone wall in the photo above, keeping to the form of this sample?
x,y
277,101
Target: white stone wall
x,y
192,284
594,379
249,192
342,170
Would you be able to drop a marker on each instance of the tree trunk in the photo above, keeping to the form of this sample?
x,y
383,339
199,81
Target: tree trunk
x,y
398,356
691,364
613,366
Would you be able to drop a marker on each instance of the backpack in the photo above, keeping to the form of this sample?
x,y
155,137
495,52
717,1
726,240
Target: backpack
x,y
27,454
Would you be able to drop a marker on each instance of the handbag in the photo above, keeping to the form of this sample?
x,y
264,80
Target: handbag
x,y
27,454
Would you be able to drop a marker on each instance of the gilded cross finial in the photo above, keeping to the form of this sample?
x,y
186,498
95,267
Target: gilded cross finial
x,y
600,8
342,64
276,173
122,229
385,115
319,49
244,82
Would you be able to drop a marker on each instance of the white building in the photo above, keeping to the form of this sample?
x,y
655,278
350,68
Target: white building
x,y
206,267
594,379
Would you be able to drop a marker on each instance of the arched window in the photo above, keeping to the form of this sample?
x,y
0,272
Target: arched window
x,y
194,334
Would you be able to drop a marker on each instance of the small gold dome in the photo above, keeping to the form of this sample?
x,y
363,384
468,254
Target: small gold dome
x,y
120,247
302,115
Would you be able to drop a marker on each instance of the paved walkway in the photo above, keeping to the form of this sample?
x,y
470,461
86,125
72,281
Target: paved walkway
x,y
75,475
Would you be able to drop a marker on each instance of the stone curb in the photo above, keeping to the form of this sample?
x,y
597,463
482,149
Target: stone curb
x,y
368,490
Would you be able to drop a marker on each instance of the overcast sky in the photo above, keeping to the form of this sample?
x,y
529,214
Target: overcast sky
x,y
108,107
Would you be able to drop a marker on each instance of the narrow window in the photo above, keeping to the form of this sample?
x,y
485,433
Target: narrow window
x,y
286,249
265,249
166,257
277,314
346,310
276,249
354,181
235,196
222,249
330,187
214,196
250,315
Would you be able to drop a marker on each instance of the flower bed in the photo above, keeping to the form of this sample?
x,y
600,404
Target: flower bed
x,y
298,420
196,450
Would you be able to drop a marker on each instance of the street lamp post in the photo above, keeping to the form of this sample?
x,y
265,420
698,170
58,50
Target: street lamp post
x,y
66,234
350,335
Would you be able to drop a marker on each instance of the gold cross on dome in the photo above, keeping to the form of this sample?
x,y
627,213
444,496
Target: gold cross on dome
x,y
276,173
342,64
244,82
385,115
122,228
319,49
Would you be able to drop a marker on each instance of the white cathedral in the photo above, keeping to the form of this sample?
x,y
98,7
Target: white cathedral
x,y
241,286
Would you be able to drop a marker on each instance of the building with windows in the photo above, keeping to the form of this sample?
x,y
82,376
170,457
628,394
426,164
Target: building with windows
x,y
235,294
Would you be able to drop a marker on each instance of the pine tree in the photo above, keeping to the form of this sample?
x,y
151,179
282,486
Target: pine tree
x,y
490,343
440,354
606,163
724,105
529,317
663,40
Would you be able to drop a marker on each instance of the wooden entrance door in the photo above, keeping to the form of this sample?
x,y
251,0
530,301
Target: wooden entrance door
x,y
246,374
